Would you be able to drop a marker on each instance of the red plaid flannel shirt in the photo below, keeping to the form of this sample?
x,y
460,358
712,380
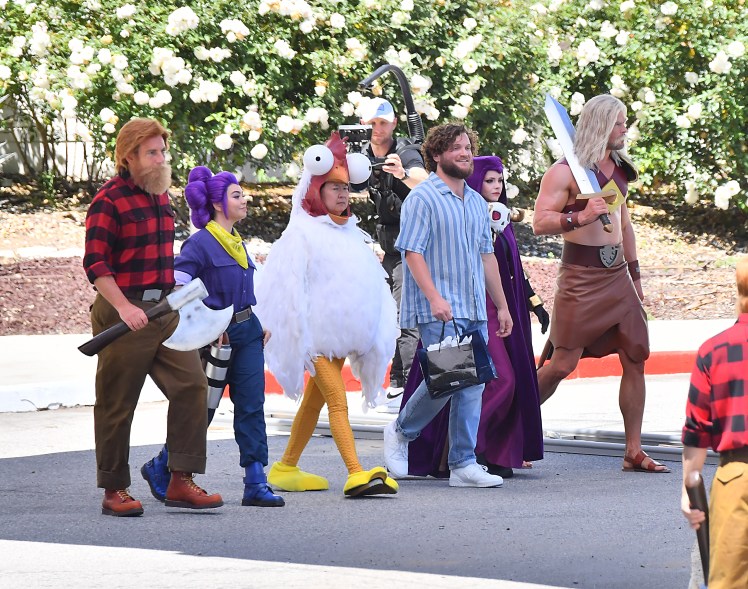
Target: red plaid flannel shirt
x,y
130,235
717,408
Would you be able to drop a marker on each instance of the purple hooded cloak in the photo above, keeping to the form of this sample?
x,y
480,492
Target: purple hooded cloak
x,y
510,429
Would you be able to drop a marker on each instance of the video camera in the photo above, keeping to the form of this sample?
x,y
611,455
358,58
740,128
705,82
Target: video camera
x,y
358,137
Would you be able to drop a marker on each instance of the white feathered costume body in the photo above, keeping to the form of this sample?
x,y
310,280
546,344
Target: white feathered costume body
x,y
323,292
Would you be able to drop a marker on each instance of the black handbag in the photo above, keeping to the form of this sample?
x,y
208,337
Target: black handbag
x,y
447,370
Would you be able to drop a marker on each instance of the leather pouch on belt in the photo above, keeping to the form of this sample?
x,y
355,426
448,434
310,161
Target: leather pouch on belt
x,y
731,471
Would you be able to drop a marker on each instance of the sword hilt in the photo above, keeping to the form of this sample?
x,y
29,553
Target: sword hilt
x,y
605,220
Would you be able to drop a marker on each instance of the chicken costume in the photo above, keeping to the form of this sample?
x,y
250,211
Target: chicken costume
x,y
323,295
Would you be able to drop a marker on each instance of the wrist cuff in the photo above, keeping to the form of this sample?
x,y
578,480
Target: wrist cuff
x,y
535,301
570,221
634,270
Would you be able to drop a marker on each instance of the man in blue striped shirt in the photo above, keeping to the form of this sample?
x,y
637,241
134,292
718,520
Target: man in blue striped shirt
x,y
445,240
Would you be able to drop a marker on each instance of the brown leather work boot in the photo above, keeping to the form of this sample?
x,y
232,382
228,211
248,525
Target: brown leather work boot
x,y
183,492
119,503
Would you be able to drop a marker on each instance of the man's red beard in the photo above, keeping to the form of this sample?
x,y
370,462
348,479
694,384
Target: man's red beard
x,y
154,179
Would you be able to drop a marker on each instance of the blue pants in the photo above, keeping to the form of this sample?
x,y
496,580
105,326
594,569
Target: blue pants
x,y
464,413
246,380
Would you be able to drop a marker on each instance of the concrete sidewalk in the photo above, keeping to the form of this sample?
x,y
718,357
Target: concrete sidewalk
x,y
47,371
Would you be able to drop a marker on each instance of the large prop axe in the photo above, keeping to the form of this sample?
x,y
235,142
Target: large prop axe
x,y
198,325
697,498
585,178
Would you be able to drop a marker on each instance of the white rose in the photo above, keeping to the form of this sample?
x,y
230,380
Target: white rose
x,y
237,78
511,190
721,63
125,11
695,110
106,114
721,199
622,38
119,62
141,98
285,124
683,121
407,5
469,23
627,5
306,26
259,151
5,72
692,78
347,109
636,105
109,128
458,111
293,170
337,21
649,97
223,142
519,136
465,100
735,49
470,66
669,8
201,53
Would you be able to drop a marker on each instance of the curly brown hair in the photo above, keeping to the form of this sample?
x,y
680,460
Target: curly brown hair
x,y
131,135
439,139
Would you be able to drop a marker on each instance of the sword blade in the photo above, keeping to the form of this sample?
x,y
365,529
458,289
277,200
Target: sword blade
x,y
563,128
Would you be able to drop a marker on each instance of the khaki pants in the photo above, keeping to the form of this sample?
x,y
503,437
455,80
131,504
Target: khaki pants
x,y
728,527
123,366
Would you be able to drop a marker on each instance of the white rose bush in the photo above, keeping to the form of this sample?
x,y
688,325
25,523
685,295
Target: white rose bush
x,y
258,82
680,67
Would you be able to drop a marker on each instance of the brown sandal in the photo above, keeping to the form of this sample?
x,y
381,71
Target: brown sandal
x,y
636,464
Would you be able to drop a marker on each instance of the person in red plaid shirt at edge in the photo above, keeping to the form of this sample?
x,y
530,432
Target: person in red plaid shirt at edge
x,y
129,258
716,417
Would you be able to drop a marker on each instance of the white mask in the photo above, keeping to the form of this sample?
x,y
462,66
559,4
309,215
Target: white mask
x,y
498,214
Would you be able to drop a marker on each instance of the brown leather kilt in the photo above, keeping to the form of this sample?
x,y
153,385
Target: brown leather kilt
x,y
597,308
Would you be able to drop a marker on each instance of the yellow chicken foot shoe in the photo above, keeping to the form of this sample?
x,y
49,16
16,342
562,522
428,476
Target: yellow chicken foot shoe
x,y
292,478
370,482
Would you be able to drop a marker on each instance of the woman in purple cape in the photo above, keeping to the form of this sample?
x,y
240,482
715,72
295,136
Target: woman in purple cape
x,y
510,431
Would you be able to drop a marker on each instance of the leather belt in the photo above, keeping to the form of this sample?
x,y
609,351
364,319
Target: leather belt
x,y
148,295
242,316
605,256
737,455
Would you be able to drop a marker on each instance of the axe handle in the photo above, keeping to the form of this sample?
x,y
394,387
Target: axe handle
x,y
697,498
106,337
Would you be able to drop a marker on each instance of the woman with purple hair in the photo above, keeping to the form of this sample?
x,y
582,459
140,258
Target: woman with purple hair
x,y
510,432
216,255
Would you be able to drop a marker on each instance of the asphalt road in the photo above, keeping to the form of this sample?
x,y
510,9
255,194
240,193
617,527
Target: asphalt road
x,y
571,521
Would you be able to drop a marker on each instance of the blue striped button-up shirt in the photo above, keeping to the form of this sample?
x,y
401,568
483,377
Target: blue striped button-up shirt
x,y
451,233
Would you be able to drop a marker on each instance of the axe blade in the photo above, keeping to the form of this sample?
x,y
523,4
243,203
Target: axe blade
x,y
198,326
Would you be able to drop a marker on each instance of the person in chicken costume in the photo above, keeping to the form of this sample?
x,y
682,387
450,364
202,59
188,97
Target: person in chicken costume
x,y
324,296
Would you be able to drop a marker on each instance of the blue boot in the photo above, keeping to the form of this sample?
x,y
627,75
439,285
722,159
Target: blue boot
x,y
157,475
256,490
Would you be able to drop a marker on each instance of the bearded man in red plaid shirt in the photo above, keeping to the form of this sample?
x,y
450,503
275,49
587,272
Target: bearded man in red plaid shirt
x,y
716,417
130,261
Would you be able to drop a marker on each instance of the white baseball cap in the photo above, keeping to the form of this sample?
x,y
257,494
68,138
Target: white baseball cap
x,y
377,108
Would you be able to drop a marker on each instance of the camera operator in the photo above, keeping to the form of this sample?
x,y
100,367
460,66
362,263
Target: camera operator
x,y
398,167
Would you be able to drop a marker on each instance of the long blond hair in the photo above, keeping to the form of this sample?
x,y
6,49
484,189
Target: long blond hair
x,y
595,124
741,278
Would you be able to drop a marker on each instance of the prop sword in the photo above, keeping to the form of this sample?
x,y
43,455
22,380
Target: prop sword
x,y
697,498
564,131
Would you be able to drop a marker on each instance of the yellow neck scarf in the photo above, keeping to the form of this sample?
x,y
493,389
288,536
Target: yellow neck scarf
x,y
231,242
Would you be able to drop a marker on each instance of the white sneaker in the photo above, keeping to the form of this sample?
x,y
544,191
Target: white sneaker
x,y
395,452
473,475
394,399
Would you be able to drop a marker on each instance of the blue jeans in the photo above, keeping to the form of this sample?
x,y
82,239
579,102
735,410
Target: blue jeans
x,y
246,380
464,413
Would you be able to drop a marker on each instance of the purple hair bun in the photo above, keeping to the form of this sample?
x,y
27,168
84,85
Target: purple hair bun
x,y
204,190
